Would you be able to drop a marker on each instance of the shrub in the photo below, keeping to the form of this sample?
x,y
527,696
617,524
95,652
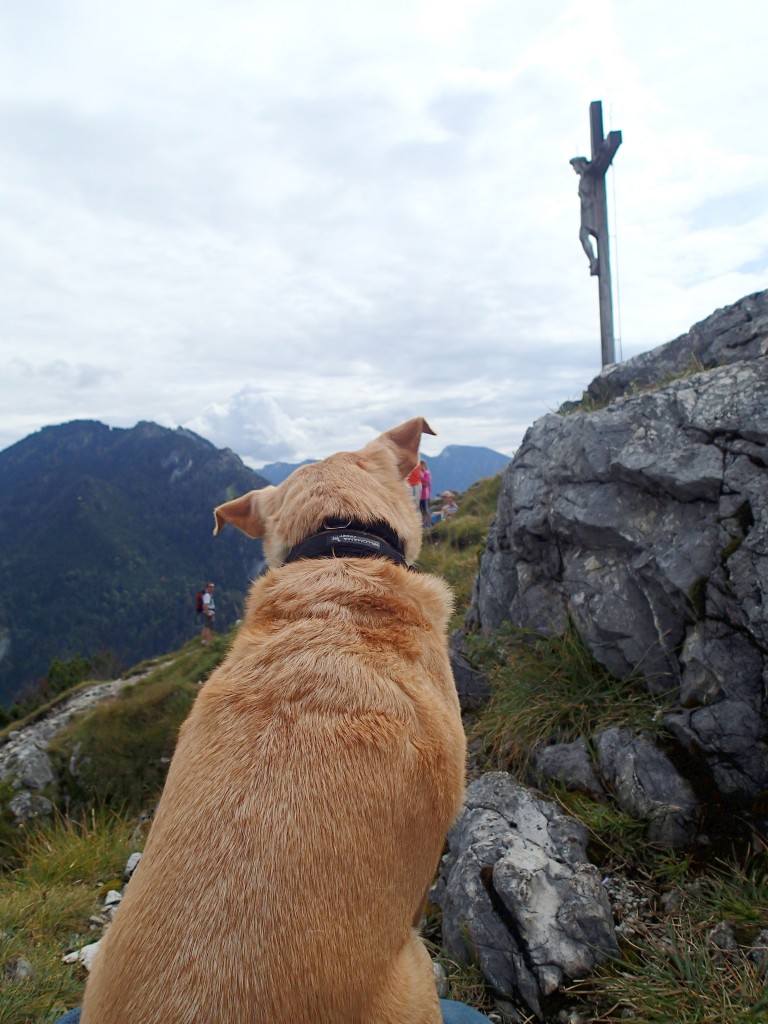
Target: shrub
x,y
62,675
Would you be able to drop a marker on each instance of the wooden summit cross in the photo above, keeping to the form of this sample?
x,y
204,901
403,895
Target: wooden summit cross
x,y
594,219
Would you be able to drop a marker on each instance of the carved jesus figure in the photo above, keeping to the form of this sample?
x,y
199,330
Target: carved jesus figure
x,y
587,195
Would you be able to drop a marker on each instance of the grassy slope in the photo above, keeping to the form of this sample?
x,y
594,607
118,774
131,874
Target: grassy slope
x,y
45,907
123,747
543,689
55,878
452,549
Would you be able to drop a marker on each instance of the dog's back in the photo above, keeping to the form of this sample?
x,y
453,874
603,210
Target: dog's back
x,y
303,816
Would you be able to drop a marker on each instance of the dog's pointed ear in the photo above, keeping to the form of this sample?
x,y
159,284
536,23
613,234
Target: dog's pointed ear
x,y
247,513
407,438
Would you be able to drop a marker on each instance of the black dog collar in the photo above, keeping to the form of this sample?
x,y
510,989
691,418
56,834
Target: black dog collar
x,y
350,539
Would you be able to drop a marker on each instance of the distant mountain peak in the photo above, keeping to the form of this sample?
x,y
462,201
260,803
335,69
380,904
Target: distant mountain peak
x,y
456,468
106,535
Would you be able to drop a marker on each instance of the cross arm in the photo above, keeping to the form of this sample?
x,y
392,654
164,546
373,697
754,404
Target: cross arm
x,y
601,161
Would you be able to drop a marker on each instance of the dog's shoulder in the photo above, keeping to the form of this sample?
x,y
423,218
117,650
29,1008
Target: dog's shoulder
x,y
309,588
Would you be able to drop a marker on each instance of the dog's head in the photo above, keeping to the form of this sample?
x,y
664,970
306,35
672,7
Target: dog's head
x,y
365,487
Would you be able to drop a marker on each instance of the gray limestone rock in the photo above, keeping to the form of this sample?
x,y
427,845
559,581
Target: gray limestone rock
x,y
645,525
568,764
647,786
472,686
519,894
730,735
131,865
26,806
31,766
737,332
18,969
758,952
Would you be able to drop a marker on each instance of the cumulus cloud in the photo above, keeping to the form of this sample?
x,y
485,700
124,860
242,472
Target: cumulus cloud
x,y
252,424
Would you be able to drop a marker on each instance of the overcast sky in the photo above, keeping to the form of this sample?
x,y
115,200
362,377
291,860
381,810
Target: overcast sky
x,y
292,225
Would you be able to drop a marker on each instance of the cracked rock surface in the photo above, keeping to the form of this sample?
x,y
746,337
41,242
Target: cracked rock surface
x,y
645,524
518,892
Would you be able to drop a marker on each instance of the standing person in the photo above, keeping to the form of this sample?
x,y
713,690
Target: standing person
x,y
426,492
414,482
209,614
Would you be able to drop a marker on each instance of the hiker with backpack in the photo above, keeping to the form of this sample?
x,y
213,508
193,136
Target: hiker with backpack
x,y
206,606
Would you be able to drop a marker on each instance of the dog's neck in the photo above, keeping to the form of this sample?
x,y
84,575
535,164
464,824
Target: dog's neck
x,y
346,538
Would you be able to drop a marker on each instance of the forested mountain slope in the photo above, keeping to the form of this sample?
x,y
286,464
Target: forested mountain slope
x,y
105,536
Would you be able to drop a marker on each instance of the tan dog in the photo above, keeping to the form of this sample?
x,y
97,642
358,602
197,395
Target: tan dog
x,y
314,780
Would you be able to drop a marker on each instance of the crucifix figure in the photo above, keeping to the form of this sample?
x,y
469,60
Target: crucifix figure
x,y
594,219
588,230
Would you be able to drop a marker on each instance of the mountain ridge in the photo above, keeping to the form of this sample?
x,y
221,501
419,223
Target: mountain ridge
x,y
105,535
455,469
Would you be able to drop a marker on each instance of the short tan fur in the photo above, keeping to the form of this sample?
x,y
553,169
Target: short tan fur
x,y
313,783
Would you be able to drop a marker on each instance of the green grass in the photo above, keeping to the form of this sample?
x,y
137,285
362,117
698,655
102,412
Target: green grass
x,y
734,892
549,689
123,747
41,710
45,906
615,839
452,548
677,975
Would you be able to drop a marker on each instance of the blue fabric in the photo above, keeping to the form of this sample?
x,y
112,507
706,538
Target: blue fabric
x,y
73,1017
453,1013
460,1013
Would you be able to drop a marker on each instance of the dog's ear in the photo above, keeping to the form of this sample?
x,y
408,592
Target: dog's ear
x,y
407,438
247,513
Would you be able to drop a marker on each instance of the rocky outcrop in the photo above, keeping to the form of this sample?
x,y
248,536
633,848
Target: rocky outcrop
x,y
645,525
734,334
24,760
519,894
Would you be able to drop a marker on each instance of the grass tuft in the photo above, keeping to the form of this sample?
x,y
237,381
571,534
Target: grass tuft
x,y
679,975
615,838
549,689
45,906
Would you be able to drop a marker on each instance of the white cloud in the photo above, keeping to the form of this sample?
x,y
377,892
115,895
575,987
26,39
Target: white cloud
x,y
291,227
252,424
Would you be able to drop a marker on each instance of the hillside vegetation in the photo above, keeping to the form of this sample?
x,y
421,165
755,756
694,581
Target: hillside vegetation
x,y
105,537
53,879
669,969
